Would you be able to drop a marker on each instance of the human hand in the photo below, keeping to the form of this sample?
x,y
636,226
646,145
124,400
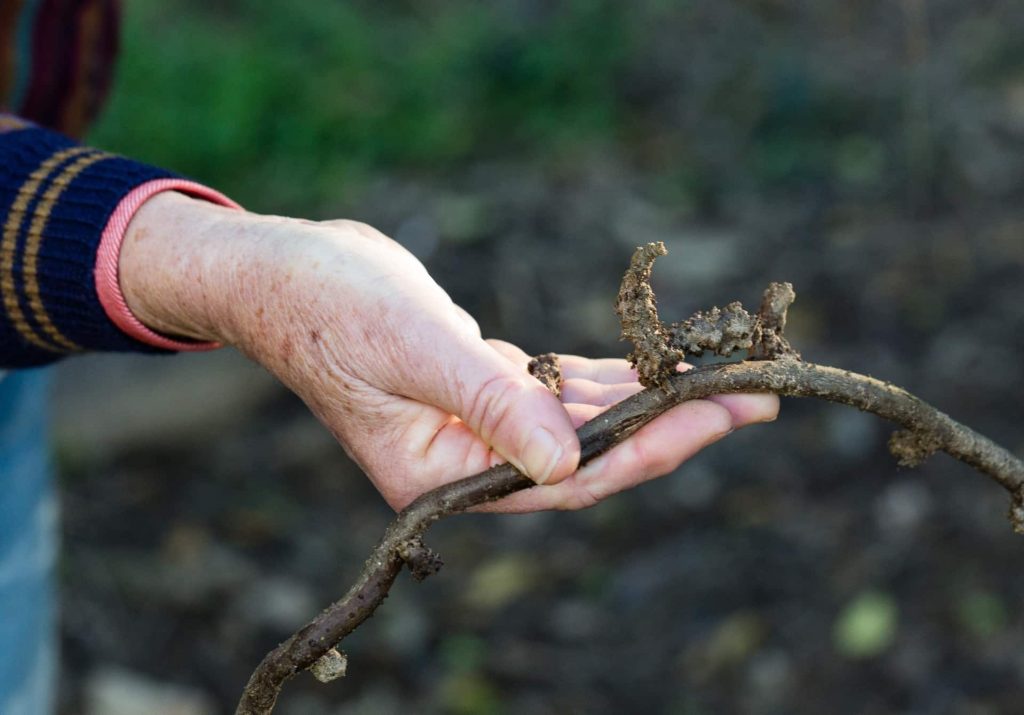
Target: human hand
x,y
352,322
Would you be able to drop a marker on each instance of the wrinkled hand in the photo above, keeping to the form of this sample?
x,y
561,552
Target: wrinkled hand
x,y
352,322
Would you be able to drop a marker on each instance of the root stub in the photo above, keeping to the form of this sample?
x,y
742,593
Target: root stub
x,y
331,665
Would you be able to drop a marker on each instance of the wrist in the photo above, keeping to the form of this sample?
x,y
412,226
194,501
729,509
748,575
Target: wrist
x,y
173,269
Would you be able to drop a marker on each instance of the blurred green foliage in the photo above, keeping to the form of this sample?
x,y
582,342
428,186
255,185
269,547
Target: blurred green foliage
x,y
296,101
867,625
464,688
463,653
290,106
982,613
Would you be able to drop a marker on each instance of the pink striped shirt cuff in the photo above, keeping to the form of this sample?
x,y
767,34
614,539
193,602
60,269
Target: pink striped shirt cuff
x,y
108,287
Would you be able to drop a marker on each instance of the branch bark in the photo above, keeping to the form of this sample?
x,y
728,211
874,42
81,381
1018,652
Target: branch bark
x,y
775,368
931,429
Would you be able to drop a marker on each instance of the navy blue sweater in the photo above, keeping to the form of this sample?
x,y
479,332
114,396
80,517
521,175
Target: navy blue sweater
x,y
56,197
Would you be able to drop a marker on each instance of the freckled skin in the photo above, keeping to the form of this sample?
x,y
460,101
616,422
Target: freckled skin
x,y
354,324
287,350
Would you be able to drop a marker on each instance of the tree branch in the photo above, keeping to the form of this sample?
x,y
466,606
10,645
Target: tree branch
x,y
775,368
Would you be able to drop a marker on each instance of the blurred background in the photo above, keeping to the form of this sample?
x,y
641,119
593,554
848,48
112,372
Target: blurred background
x,y
872,153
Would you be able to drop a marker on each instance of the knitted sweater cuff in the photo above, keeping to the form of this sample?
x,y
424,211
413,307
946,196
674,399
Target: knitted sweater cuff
x,y
108,287
57,199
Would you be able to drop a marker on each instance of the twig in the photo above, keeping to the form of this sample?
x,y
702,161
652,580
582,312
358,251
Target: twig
x,y
775,368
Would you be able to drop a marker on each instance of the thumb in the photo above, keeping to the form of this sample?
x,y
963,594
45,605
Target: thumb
x,y
507,408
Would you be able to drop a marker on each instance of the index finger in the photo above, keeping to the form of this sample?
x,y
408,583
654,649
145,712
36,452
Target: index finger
x,y
607,371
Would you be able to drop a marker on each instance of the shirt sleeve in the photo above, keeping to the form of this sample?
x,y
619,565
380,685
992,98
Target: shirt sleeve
x,y
63,211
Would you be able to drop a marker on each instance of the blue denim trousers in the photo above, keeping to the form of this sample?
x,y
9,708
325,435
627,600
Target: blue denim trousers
x,y
28,541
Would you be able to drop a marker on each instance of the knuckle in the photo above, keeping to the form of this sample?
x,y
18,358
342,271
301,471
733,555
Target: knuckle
x,y
492,405
642,463
583,496
342,224
576,390
357,226
468,319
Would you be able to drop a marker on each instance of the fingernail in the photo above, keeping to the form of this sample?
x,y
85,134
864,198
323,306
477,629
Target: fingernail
x,y
542,454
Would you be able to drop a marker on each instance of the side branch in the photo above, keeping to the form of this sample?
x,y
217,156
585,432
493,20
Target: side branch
x,y
927,430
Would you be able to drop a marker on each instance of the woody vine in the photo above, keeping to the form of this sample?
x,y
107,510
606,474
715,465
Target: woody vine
x,y
770,365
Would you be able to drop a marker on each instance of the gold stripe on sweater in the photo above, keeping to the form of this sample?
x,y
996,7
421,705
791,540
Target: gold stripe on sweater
x,y
30,261
9,123
9,242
